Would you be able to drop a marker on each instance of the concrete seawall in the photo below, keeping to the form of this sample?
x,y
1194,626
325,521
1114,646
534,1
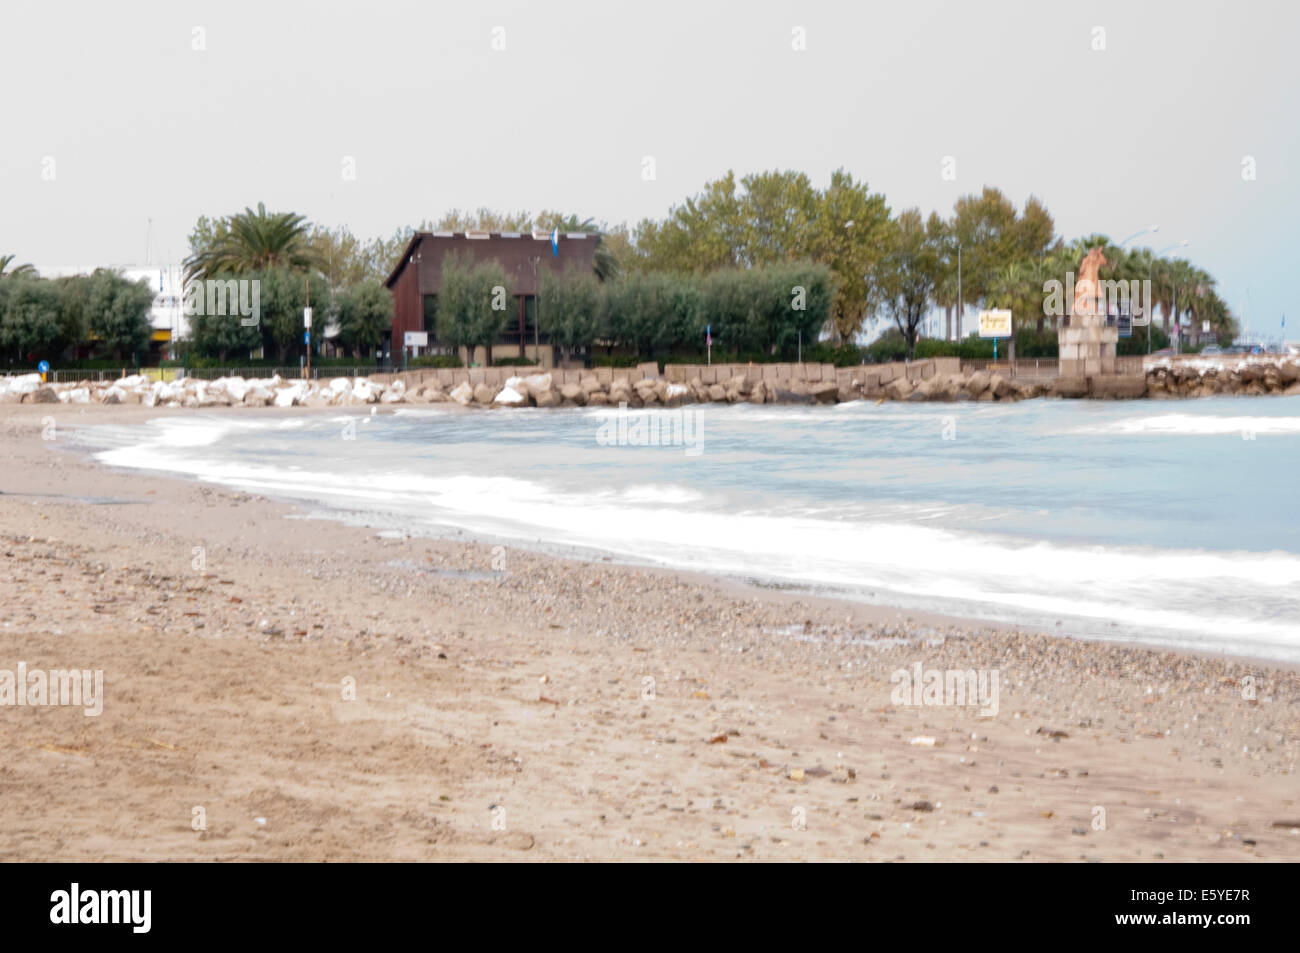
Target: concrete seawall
x,y
783,376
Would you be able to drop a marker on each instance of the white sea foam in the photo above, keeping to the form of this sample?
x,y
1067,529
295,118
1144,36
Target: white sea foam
x,y
1198,425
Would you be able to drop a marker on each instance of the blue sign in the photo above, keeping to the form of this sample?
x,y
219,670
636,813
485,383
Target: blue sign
x,y
306,338
555,242
43,367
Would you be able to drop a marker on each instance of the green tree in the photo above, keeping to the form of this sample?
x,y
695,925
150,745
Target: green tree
x,y
652,311
910,274
283,296
32,327
852,232
224,335
117,313
474,303
569,308
701,235
365,316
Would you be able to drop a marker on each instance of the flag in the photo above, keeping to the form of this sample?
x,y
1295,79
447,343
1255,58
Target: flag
x,y
555,242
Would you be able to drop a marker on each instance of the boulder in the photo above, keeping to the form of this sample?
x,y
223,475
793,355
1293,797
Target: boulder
x,y
538,382
544,398
977,383
1000,386
826,392
597,399
42,395
258,396
572,395
676,394
717,392
483,394
509,397
898,388
784,396
462,393
364,391
1250,373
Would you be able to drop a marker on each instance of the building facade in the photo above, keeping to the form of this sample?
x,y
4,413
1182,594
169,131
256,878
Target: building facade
x,y
525,256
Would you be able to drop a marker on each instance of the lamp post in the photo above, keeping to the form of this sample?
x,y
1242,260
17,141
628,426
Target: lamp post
x,y
537,317
1151,265
957,242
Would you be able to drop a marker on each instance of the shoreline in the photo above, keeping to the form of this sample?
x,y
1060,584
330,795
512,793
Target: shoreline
x,y
936,379
525,688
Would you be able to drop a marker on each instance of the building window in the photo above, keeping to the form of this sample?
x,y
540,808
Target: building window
x,y
431,313
530,313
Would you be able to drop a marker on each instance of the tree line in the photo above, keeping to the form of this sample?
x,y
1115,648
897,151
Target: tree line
x,y
715,260
42,318
763,311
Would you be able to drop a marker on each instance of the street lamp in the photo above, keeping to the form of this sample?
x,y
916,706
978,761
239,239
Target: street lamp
x,y
1150,270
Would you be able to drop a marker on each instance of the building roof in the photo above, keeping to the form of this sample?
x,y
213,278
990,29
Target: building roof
x,y
409,250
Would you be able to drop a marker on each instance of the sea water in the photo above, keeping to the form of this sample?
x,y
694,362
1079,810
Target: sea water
x,y
1174,523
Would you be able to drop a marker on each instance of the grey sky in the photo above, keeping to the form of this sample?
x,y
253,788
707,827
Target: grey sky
x,y
1152,130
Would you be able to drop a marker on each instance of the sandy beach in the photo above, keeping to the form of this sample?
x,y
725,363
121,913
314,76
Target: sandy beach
x,y
313,691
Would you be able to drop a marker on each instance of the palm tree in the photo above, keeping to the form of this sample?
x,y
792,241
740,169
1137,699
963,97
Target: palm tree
x,y
1204,304
254,241
16,271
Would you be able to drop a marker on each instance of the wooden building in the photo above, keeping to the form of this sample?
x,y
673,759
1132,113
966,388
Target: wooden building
x,y
524,256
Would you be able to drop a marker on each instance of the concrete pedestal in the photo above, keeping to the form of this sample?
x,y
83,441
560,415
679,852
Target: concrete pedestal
x,y
1087,346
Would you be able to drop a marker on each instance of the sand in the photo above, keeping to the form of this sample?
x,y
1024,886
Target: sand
x,y
513,706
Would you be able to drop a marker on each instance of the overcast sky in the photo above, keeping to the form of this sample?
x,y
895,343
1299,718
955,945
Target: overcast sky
x,y
1152,129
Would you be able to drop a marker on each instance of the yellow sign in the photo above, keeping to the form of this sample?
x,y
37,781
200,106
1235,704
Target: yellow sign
x,y
995,324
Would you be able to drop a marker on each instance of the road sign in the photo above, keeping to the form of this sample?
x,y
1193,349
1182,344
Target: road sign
x,y
415,338
995,324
